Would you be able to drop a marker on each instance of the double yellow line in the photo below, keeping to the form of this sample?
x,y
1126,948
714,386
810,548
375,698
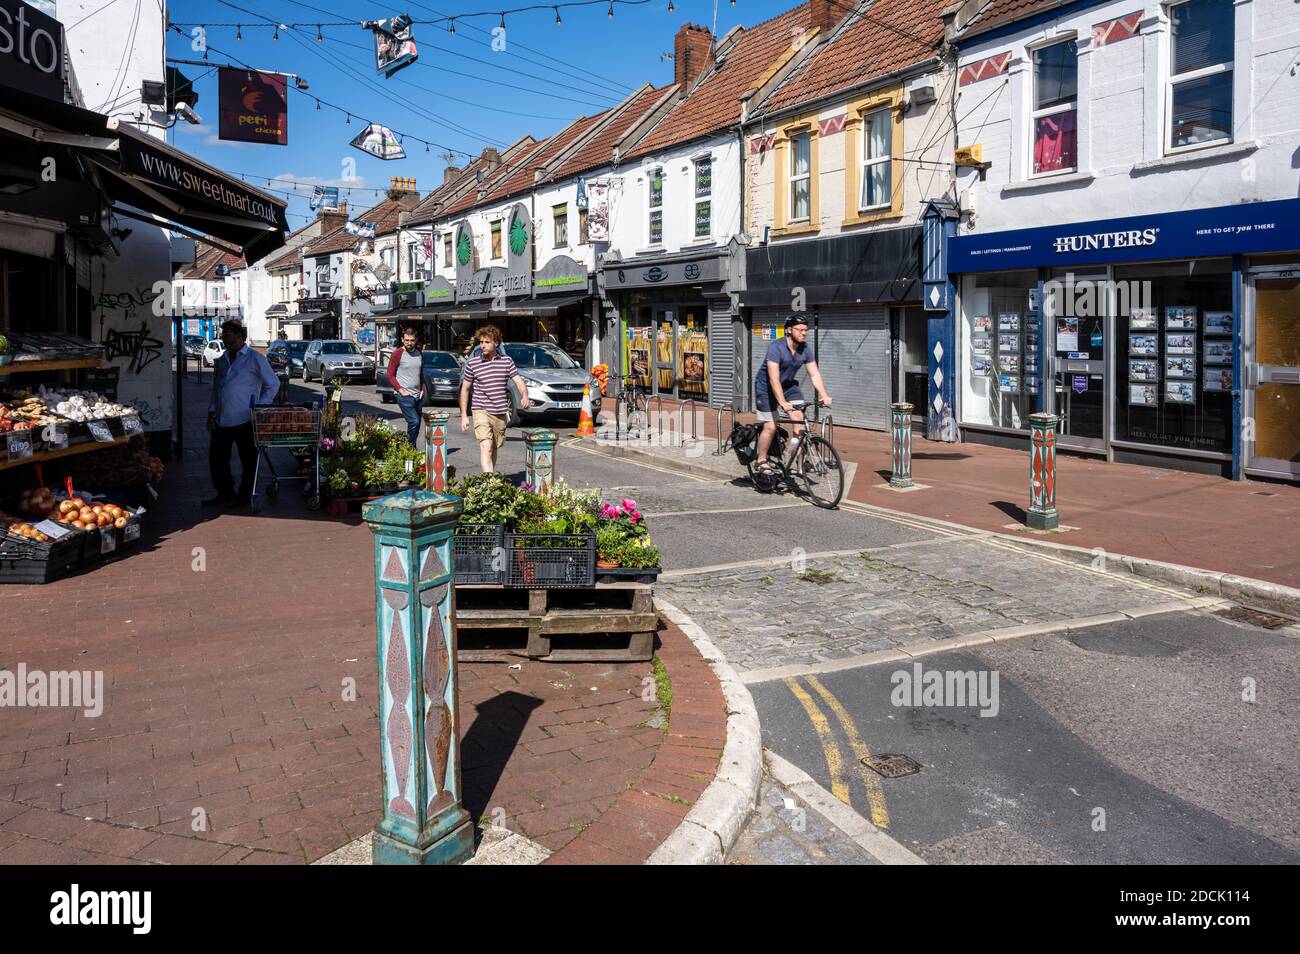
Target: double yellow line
x,y
831,748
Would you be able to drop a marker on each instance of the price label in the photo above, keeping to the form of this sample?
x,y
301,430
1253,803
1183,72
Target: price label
x,y
131,425
107,540
19,444
131,532
54,531
100,432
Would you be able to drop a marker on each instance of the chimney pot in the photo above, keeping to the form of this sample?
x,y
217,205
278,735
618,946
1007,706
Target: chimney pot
x,y
692,53
822,15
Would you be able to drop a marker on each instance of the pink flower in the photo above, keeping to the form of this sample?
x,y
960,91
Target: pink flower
x,y
629,506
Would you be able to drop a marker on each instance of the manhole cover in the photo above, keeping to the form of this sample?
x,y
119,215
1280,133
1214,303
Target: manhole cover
x,y
1264,493
892,765
1243,614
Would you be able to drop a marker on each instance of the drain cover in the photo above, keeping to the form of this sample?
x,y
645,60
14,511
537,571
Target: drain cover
x,y
1263,493
1243,614
892,765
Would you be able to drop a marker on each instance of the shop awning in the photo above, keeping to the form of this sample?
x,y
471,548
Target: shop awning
x,y
279,309
306,317
540,307
158,178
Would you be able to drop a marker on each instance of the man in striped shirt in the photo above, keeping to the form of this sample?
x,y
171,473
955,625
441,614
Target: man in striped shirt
x,y
489,374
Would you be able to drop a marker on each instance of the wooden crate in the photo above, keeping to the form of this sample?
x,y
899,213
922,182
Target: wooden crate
x,y
621,612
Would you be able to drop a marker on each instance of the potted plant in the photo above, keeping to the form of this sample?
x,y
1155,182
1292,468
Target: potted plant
x,y
609,547
5,356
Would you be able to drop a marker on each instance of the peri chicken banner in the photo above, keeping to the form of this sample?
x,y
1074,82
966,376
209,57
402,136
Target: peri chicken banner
x,y
380,142
253,106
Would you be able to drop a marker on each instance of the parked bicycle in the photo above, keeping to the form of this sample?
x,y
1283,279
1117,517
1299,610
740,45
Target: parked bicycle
x,y
807,463
630,405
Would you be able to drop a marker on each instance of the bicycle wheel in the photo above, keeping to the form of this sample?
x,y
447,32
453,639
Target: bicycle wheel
x,y
769,481
822,474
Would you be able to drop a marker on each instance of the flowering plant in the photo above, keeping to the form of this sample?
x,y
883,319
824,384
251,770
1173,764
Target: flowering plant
x,y
625,517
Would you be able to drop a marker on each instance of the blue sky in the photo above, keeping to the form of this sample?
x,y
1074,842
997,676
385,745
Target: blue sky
x,y
460,96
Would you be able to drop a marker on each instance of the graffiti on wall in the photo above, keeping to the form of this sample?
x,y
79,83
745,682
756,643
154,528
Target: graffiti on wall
x,y
137,346
129,330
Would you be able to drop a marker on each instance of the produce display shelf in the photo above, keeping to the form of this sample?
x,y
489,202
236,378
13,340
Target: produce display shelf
x,y
55,364
41,456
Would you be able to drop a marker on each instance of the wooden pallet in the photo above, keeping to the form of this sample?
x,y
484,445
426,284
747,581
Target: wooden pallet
x,y
621,612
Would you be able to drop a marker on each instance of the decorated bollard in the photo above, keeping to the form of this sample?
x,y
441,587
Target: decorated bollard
x,y
1042,472
539,467
900,425
435,458
424,822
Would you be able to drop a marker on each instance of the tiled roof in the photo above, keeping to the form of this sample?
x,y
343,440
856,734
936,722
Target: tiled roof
x,y
522,177
291,257
599,150
714,104
996,13
885,36
462,192
384,215
470,197
206,262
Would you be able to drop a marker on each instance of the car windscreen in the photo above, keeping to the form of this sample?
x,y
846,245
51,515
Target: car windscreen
x,y
295,347
534,356
339,347
440,360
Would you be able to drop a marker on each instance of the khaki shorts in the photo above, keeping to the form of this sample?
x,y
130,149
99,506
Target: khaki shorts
x,y
489,427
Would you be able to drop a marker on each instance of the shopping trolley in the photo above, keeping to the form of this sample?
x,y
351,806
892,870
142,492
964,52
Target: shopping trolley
x,y
293,426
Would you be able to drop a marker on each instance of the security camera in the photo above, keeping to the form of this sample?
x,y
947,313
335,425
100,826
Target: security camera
x,y
187,113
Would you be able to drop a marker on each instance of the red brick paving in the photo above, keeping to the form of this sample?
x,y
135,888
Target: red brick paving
x,y
223,691
1150,512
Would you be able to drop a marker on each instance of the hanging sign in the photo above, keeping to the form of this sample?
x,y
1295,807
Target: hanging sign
x,y
582,193
380,142
597,211
359,228
324,197
252,106
394,44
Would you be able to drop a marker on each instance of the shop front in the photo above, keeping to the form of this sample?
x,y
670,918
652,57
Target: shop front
x,y
861,294
677,323
567,309
1169,339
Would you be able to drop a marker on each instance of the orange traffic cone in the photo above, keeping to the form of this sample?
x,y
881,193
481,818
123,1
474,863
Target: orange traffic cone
x,y
585,426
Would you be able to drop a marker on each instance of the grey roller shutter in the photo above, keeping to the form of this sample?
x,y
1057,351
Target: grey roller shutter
x,y
722,359
854,358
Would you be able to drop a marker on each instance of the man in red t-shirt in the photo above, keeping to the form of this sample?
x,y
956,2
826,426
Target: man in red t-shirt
x,y
489,374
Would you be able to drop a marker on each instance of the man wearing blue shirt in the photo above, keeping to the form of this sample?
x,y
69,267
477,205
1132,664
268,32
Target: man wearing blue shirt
x,y
242,379
776,384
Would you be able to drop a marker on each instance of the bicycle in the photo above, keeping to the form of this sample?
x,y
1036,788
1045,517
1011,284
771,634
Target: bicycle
x,y
814,462
630,404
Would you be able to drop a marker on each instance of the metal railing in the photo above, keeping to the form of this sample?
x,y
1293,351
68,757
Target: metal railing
x,y
718,431
682,407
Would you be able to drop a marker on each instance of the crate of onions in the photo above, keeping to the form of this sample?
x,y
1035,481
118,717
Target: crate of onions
x,y
107,527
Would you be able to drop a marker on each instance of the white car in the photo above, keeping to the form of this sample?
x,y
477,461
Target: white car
x,y
213,350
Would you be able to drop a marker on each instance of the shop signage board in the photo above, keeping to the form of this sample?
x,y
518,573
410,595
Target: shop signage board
x,y
31,50
668,273
515,278
252,106
1195,233
561,273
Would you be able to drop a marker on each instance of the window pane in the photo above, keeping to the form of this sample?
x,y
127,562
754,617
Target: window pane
x,y
703,219
1202,110
877,135
875,184
1202,34
799,204
1055,142
799,154
1056,74
704,177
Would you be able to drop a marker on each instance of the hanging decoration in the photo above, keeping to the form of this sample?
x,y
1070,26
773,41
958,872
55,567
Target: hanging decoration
x,y
253,106
359,228
380,142
394,44
324,197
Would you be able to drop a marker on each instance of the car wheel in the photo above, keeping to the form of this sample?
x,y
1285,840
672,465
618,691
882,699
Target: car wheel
x,y
325,378
385,398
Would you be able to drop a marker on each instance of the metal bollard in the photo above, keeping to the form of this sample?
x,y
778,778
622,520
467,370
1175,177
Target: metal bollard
x,y
435,459
424,822
1042,472
900,425
539,466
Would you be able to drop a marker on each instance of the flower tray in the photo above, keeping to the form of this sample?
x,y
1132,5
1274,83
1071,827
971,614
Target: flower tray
x,y
628,574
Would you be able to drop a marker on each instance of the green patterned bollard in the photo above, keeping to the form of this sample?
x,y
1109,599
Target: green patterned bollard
x,y
900,426
424,822
539,467
1042,472
435,454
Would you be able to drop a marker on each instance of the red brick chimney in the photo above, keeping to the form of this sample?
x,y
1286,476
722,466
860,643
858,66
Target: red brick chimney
x,y
329,221
823,14
449,173
692,52
491,158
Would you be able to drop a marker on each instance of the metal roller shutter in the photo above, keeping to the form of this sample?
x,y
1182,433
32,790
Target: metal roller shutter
x,y
722,359
758,346
853,353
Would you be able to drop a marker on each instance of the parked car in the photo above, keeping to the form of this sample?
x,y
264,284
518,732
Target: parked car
x,y
554,381
327,360
441,377
213,350
192,345
287,356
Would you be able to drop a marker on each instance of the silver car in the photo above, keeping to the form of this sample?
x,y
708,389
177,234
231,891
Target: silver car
x,y
554,381
328,360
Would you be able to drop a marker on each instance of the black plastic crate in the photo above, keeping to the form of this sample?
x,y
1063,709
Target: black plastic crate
x,y
628,574
31,561
551,560
474,549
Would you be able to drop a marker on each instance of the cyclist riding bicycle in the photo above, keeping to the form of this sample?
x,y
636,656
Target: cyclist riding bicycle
x,y
776,385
